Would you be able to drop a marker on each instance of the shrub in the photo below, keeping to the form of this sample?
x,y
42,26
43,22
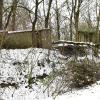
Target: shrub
x,y
82,73
75,74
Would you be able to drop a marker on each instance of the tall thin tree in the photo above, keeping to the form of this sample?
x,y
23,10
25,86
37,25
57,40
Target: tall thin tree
x,y
77,5
48,14
57,20
1,14
36,14
12,11
13,25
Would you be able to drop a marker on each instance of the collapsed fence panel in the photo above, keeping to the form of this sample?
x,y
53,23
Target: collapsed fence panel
x,y
75,48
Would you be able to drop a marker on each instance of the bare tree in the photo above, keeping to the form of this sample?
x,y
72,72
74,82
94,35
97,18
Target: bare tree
x,y
57,19
1,13
12,11
36,14
48,13
15,2
37,2
77,5
71,21
97,28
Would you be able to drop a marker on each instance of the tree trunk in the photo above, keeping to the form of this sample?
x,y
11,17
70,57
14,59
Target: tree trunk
x,y
76,16
13,25
57,19
71,17
34,22
1,8
97,28
48,13
36,13
10,13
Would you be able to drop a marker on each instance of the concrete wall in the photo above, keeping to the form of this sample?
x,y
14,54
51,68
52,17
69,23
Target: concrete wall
x,y
3,35
26,39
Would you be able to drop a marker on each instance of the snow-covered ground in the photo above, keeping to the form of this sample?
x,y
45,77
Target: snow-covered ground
x,y
18,63
89,93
